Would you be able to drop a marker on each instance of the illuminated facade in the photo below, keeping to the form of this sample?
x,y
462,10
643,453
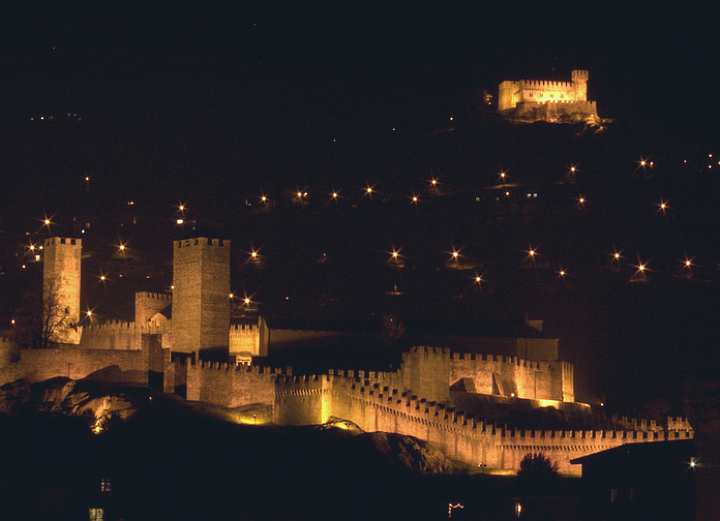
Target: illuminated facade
x,y
61,289
547,100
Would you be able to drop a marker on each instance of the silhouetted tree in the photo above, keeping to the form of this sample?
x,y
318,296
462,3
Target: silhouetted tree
x,y
537,473
40,319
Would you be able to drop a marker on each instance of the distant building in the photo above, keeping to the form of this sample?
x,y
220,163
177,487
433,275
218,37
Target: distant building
x,y
551,101
640,481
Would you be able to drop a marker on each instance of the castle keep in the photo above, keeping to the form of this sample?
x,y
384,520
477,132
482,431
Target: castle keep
x,y
61,289
552,101
201,309
440,395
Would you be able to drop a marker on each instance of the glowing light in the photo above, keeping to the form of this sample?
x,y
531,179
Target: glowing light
x,y
12,322
641,267
87,178
122,247
616,256
414,199
231,296
512,395
687,263
31,247
692,463
89,313
452,507
452,118
502,175
247,301
532,252
369,190
663,206
478,279
334,195
581,200
562,273
263,198
102,277
643,163
180,221
254,254
433,182
299,195
573,169
455,254
172,287
131,203
47,221
37,257
181,207
507,194
395,254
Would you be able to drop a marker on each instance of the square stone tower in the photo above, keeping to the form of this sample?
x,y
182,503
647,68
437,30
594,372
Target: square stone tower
x,y
61,289
200,302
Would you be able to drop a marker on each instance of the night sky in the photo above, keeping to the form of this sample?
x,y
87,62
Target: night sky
x,y
162,106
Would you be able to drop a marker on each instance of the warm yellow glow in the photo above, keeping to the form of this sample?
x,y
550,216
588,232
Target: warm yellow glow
x,y
455,254
12,322
692,463
334,195
181,207
89,313
180,221
254,254
616,255
688,263
87,178
231,295
122,247
507,194
643,163
663,206
532,253
502,175
478,279
247,301
263,198
369,190
581,200
414,199
562,273
395,254
433,181
573,169
31,247
103,278
642,267
47,221
172,287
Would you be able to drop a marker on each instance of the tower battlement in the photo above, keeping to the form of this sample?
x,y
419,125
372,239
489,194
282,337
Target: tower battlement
x,y
62,258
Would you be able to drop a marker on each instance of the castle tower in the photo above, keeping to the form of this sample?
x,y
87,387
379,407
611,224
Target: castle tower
x,y
200,303
61,289
148,303
580,79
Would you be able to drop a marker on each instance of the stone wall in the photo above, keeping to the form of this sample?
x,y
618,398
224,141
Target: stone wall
x,y
61,286
148,303
365,399
132,366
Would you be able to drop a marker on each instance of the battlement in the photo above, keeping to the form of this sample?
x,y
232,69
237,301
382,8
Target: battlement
x,y
152,295
505,359
546,85
65,241
202,242
244,328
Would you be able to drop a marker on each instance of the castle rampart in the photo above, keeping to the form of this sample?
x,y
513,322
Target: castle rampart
x,y
148,303
116,334
363,398
61,288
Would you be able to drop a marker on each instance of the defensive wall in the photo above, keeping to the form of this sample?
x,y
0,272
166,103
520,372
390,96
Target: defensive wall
x,y
250,339
116,334
134,366
366,400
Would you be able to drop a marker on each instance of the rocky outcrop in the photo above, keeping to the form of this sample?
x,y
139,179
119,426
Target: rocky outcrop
x,y
68,397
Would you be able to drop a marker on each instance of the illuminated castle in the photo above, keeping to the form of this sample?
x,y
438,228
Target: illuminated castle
x,y
185,344
552,101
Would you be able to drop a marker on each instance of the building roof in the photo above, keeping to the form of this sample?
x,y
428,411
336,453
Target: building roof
x,y
640,452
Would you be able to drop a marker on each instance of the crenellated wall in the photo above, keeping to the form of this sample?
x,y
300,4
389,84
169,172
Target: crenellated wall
x,y
148,303
116,334
367,400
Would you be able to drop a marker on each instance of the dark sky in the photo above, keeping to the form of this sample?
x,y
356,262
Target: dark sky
x,y
215,107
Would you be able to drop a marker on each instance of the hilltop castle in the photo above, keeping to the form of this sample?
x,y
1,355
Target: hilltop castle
x,y
551,101
184,343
